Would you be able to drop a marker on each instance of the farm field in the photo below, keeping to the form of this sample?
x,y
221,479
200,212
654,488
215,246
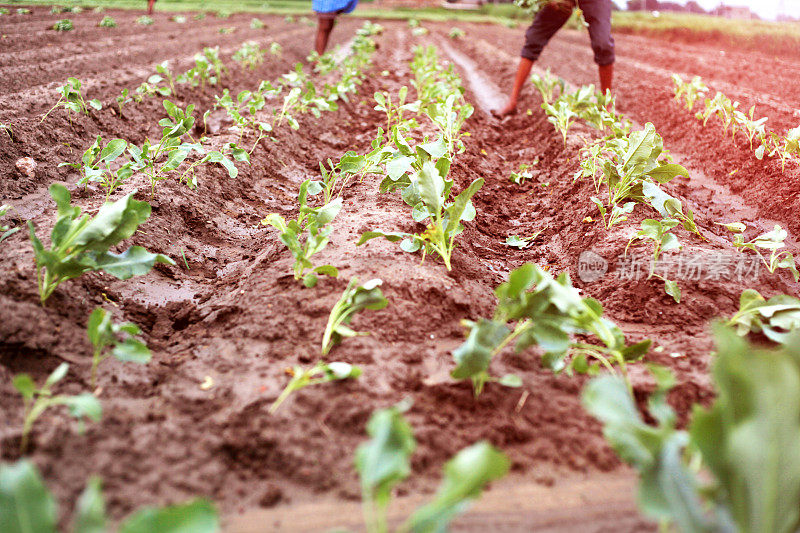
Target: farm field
x,y
228,318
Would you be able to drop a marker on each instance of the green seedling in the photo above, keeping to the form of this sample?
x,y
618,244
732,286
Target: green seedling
x,y
370,28
632,170
228,30
37,401
199,16
71,99
27,506
177,125
144,20
4,11
523,173
23,11
429,193
222,14
384,461
107,22
449,116
546,312
396,112
521,242
456,33
335,177
690,91
208,69
547,86
7,129
320,373
309,234
561,116
149,88
80,243
658,232
354,299
257,24
163,70
772,242
6,231
786,147
179,19
737,468
275,49
123,99
250,55
244,111
112,339
96,163
63,25
776,318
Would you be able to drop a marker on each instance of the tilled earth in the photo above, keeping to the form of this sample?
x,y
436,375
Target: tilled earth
x,y
237,316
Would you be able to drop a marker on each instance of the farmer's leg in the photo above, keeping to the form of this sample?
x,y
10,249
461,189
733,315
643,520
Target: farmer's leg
x,y
598,15
150,4
547,22
325,24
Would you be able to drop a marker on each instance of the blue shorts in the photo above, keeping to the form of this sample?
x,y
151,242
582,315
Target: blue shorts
x,y
331,8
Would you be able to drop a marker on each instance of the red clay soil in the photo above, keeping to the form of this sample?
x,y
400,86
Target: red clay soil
x,y
237,315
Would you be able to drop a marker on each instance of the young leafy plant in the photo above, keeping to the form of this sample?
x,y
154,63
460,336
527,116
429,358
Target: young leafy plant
x,y
521,242
37,401
456,33
63,25
95,165
144,20
771,242
26,506
250,55
80,243
354,299
6,231
384,461
547,86
208,68
71,99
776,318
309,234
107,22
738,466
658,232
690,91
322,372
428,192
114,339
177,125
396,111
547,312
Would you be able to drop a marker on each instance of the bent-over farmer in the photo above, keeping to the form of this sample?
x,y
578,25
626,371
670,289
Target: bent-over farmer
x,y
327,11
547,22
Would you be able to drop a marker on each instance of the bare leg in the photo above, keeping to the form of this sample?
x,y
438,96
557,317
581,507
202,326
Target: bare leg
x,y
150,4
523,71
606,76
324,28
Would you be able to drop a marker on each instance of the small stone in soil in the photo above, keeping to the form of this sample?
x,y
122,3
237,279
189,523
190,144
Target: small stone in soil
x,y
27,166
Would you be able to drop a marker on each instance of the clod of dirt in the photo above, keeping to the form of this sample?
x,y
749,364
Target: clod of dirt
x,y
27,166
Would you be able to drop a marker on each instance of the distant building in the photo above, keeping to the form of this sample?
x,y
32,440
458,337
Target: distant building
x,y
735,12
